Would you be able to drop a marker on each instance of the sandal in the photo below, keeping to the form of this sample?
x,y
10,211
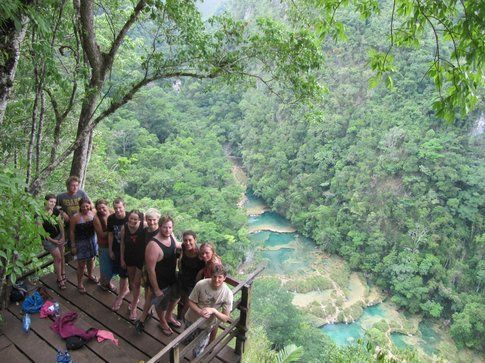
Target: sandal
x,y
175,323
129,306
93,278
81,289
117,305
109,287
133,315
61,284
166,331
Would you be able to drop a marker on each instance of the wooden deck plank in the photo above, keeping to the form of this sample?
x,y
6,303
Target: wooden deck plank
x,y
33,346
127,299
107,298
125,352
42,328
227,355
13,354
105,317
94,310
4,342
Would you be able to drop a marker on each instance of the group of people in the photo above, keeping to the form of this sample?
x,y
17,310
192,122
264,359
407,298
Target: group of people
x,y
143,251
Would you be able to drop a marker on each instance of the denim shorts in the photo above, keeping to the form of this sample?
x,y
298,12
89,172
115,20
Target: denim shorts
x,y
170,293
105,263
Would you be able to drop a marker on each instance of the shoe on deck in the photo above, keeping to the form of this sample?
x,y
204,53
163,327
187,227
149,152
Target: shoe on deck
x,y
139,326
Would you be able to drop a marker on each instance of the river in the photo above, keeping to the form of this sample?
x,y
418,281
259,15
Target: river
x,y
340,302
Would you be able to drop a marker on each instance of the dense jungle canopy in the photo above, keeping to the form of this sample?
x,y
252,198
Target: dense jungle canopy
x,y
360,121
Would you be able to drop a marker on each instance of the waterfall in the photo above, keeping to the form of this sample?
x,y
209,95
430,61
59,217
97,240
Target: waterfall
x,y
479,126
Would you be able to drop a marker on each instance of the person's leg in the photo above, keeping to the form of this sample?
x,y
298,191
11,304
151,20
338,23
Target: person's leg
x,y
123,290
90,265
106,270
63,263
182,306
213,334
174,298
56,254
169,314
81,264
139,324
162,313
147,306
202,342
134,277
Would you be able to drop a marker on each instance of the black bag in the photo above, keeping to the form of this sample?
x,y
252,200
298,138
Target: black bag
x,y
75,342
18,293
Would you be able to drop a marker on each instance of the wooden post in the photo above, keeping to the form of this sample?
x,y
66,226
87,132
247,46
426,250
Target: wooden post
x,y
242,327
174,355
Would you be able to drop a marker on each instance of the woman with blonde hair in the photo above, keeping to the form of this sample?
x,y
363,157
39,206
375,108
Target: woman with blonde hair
x,y
208,254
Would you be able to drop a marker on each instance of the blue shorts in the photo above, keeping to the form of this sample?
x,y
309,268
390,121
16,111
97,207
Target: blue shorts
x,y
170,293
105,263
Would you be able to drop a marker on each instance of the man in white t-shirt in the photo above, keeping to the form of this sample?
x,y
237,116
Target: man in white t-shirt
x,y
212,300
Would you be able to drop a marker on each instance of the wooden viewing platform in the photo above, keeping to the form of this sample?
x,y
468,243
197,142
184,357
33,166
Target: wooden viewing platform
x,y
94,310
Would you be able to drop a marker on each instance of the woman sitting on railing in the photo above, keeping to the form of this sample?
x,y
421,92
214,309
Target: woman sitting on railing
x,y
208,254
55,240
84,242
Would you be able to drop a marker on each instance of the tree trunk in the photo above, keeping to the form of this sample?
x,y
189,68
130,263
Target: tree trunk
x,y
81,153
10,40
38,138
33,129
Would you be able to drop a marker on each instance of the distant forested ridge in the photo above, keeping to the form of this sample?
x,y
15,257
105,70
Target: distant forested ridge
x,y
374,176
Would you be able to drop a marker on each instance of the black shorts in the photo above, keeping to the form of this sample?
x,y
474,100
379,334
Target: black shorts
x,y
117,269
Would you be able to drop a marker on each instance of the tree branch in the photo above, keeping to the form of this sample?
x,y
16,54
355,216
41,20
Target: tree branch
x,y
121,35
88,35
44,173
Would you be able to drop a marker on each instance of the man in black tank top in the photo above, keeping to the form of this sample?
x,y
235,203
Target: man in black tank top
x,y
161,263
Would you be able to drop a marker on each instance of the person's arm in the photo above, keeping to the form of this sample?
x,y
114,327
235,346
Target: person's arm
x,y
72,235
179,260
60,220
200,275
97,226
177,243
152,254
63,213
110,242
122,247
224,315
201,312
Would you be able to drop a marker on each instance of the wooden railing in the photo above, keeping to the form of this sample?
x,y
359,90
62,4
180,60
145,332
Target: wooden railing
x,y
234,328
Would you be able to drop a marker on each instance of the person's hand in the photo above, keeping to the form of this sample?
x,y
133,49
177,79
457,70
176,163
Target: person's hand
x,y
123,263
206,312
65,216
73,250
111,255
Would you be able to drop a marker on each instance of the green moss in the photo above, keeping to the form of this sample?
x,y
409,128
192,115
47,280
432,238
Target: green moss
x,y
309,283
354,312
381,325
